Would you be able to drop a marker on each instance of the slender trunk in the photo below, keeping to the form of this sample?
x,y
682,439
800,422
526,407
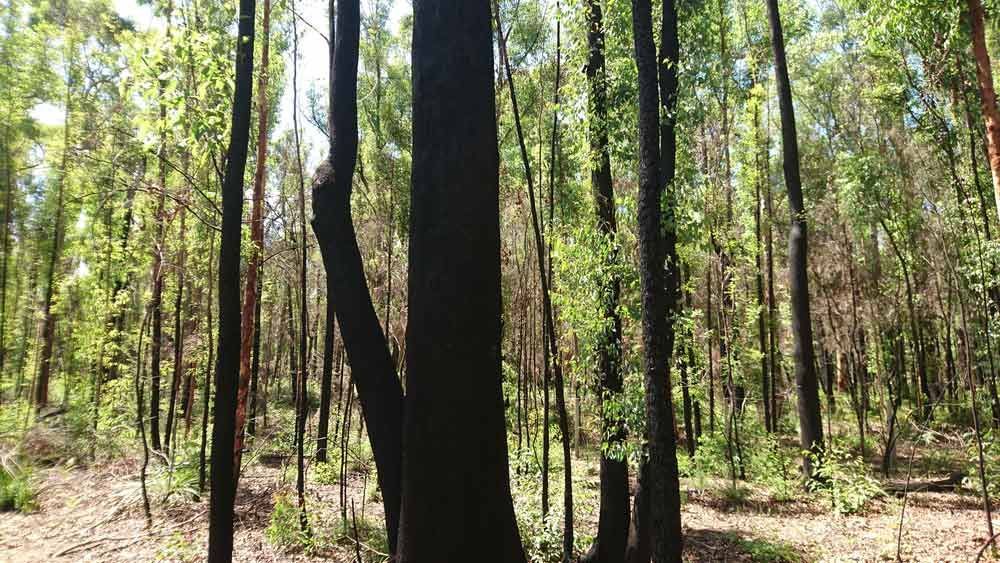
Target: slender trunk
x,y
973,393
686,363
373,372
710,337
8,215
762,332
141,424
255,363
987,94
915,332
209,368
329,335
220,529
613,517
156,300
249,328
301,399
810,420
179,320
553,337
772,303
41,388
549,342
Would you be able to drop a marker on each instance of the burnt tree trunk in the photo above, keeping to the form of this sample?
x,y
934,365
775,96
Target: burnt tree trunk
x,y
613,517
456,502
373,371
220,527
249,327
657,248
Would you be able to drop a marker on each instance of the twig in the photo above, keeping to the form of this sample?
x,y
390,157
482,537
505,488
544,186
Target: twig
x,y
902,512
989,542
357,542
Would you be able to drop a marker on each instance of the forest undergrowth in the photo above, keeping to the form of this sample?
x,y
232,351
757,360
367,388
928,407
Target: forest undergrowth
x,y
62,505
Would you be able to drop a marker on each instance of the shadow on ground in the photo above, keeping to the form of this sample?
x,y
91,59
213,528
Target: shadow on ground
x,y
728,546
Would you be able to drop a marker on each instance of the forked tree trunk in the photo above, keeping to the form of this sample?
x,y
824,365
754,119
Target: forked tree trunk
x,y
374,374
656,519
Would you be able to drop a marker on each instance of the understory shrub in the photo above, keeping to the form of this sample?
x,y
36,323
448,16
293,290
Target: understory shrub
x,y
284,529
17,488
844,480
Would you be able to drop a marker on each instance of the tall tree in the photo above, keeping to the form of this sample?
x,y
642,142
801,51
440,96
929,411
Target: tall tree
x,y
987,93
456,502
613,518
660,518
41,391
157,274
550,349
249,326
372,369
220,527
810,421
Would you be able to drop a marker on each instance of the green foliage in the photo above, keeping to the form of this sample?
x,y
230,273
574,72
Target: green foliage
x,y
178,549
284,529
991,466
370,532
710,458
843,480
765,551
735,496
17,487
177,482
775,467
325,473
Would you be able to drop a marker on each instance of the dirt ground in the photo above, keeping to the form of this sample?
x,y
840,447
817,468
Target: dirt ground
x,y
94,514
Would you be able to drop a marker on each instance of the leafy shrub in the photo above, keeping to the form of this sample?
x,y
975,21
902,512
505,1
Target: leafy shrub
x,y
542,538
734,496
775,467
710,459
17,488
991,459
284,529
765,551
325,473
844,480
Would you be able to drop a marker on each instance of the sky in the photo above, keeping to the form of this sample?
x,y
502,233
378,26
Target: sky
x,y
313,61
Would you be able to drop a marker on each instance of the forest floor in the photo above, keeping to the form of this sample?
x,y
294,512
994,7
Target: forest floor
x,y
94,514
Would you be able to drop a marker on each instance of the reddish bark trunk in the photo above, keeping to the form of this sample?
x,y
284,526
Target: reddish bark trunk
x,y
250,296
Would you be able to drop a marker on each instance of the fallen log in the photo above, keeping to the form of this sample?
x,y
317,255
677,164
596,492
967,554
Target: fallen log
x,y
947,485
